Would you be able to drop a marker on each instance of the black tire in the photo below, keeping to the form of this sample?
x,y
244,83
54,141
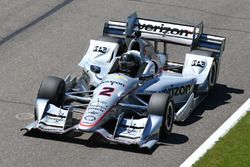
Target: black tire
x,y
162,104
35,116
212,77
52,88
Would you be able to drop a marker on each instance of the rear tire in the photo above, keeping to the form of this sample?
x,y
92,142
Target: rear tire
x,y
212,77
53,89
35,116
162,104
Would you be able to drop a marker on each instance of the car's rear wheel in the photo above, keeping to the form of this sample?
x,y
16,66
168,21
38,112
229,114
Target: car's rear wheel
x,y
53,89
212,77
162,104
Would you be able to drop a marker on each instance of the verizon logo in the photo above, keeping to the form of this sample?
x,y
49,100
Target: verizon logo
x,y
164,29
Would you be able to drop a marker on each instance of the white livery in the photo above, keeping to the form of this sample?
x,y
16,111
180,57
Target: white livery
x,y
135,109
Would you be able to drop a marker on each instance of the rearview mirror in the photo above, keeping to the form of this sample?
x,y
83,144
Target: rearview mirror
x,y
146,76
95,69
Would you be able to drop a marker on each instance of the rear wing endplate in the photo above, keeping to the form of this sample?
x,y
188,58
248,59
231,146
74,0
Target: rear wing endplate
x,y
166,32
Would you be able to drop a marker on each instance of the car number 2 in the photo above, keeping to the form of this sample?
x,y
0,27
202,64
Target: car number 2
x,y
107,91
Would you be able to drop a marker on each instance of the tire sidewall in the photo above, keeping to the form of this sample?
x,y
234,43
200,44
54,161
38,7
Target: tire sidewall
x,y
160,104
168,119
212,77
60,94
53,89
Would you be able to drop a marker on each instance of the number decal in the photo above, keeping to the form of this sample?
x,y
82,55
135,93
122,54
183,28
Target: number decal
x,y
101,49
107,91
198,63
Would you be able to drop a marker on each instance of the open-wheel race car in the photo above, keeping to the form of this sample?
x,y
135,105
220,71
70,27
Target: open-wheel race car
x,y
129,91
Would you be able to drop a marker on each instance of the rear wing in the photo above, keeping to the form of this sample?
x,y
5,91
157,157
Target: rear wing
x,y
166,32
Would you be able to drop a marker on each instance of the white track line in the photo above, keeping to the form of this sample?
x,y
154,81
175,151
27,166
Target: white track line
x,y
220,132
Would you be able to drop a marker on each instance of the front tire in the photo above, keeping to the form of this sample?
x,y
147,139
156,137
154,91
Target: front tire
x,y
53,89
162,104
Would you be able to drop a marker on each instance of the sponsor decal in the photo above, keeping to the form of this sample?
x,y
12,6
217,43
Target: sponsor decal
x,y
120,77
181,90
93,112
175,91
164,29
90,118
42,127
198,63
52,119
113,82
100,49
96,108
97,102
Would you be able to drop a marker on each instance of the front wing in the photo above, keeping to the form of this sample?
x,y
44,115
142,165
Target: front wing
x,y
143,132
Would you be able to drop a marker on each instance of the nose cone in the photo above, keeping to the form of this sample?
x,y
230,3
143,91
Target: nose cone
x,y
86,128
90,121
105,97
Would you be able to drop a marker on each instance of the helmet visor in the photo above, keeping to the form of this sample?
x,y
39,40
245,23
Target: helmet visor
x,y
126,66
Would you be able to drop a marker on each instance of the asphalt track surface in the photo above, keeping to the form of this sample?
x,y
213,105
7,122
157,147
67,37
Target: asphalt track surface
x,y
49,37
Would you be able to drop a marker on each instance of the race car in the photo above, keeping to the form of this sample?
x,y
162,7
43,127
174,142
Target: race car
x,y
129,92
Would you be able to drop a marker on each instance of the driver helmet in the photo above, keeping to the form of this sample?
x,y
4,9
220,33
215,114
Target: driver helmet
x,y
128,63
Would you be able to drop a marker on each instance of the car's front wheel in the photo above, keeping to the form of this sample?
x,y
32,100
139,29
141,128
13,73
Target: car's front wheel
x,y
162,104
53,89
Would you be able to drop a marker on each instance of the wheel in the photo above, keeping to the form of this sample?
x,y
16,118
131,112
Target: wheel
x,y
212,77
35,116
162,104
52,88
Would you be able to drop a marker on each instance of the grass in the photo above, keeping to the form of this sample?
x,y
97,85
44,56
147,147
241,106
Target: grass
x,y
233,150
